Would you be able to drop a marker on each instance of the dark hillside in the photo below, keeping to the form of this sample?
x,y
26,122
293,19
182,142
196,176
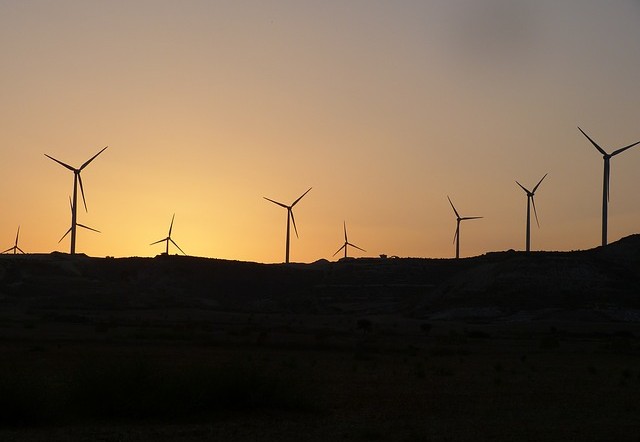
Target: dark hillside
x,y
502,284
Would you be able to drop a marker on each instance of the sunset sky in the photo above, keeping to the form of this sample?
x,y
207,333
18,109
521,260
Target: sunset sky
x,y
383,107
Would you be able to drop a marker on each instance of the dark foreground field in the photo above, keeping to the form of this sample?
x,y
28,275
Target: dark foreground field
x,y
456,383
184,349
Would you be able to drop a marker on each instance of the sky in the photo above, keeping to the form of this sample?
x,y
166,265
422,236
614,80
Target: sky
x,y
383,108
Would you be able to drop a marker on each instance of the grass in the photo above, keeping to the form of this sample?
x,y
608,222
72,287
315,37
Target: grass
x,y
26,399
504,387
136,389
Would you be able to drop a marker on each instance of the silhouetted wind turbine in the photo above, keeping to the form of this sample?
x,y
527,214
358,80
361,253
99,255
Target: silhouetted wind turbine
x,y
76,179
346,242
290,218
456,237
168,239
605,182
15,247
531,202
77,224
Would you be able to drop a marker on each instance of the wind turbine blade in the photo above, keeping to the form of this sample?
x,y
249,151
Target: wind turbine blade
x,y
535,188
344,225
174,243
353,245
296,201
600,149
60,162
159,241
275,202
453,207
533,202
523,188
63,236
171,226
92,158
88,228
17,235
455,235
295,229
470,217
11,248
21,251
338,251
82,192
616,152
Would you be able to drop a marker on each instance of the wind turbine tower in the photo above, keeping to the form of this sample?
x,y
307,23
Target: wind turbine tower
x,y
77,179
346,242
290,219
456,237
531,202
77,224
15,247
605,181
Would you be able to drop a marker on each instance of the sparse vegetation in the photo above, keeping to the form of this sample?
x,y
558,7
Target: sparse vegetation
x,y
26,398
172,354
133,388
426,327
364,325
549,342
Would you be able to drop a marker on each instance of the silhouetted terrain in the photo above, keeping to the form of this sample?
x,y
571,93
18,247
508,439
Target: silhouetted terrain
x,y
505,346
604,281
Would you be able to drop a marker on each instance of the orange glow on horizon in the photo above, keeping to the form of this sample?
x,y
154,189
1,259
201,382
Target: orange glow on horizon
x,y
207,107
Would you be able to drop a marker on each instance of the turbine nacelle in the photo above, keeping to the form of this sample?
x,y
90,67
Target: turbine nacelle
x,y
290,217
459,219
346,242
531,202
606,178
15,247
168,238
77,180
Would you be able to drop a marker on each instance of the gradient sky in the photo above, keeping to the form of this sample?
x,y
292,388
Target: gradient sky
x,y
384,108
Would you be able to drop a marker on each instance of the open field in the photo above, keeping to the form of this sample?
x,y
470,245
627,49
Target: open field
x,y
363,350
456,382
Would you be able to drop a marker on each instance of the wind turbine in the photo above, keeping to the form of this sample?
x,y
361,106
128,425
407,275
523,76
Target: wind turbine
x,y
15,247
290,218
77,179
531,202
346,243
456,237
77,224
168,239
605,182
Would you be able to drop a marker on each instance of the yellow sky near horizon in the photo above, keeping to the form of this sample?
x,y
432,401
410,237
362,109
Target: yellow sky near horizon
x,y
384,108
